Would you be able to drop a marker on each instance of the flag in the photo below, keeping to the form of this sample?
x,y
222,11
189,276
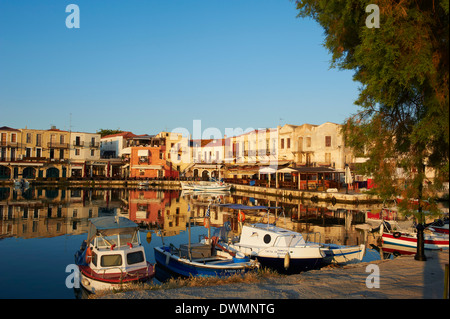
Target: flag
x,y
189,207
207,212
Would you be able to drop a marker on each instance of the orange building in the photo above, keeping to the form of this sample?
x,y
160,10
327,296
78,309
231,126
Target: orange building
x,y
150,162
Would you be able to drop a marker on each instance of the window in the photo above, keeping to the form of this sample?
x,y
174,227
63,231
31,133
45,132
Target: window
x,y
282,143
77,151
328,158
38,152
328,141
135,257
288,143
13,137
38,140
92,152
28,137
111,260
308,142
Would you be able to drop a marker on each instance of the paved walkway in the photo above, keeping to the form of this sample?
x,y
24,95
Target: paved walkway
x,y
400,278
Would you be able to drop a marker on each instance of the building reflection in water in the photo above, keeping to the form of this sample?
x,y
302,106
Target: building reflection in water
x,y
50,212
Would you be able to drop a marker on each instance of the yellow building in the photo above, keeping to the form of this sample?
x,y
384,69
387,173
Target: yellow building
x,y
44,153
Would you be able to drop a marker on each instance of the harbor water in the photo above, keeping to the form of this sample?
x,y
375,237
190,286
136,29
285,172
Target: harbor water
x,y
41,228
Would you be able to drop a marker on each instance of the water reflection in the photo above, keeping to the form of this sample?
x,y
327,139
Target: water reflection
x,y
50,212
58,218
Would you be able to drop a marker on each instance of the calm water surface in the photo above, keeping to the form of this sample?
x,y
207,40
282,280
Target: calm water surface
x,y
42,228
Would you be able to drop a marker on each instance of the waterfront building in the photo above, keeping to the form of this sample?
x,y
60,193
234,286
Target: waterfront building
x,y
177,151
9,150
29,153
85,155
150,162
314,145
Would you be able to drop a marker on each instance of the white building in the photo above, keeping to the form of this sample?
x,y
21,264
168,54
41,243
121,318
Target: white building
x,y
84,155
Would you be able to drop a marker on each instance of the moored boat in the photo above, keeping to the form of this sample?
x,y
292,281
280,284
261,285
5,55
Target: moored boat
x,y
409,238
205,186
285,250
112,256
204,259
342,254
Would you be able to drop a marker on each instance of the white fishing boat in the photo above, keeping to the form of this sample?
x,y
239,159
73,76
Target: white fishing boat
x,y
288,251
206,186
278,248
112,256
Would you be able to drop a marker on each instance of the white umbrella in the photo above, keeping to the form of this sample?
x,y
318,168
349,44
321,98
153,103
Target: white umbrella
x,y
348,175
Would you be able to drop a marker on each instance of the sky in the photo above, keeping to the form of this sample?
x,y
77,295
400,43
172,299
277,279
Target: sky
x,y
147,66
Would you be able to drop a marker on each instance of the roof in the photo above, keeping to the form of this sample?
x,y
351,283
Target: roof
x,y
123,134
7,128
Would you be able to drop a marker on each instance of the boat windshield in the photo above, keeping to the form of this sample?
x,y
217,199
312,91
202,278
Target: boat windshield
x,y
118,240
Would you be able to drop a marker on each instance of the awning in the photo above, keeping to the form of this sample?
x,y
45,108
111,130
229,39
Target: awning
x,y
267,170
142,153
245,207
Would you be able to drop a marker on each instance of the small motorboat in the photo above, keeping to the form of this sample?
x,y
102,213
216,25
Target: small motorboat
x,y
408,238
204,259
343,254
439,226
288,251
112,256
275,247
213,186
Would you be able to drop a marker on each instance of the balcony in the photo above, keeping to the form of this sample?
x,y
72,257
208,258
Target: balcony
x,y
9,144
78,143
57,145
94,144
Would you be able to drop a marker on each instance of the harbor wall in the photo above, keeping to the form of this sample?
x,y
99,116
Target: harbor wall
x,y
314,196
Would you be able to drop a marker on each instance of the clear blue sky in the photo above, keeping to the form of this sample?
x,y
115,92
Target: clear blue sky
x,y
150,65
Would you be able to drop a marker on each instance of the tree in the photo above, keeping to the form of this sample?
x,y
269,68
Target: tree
x,y
402,124
104,132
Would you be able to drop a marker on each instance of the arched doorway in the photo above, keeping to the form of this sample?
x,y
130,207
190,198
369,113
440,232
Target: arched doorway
x,y
5,172
29,172
205,175
52,172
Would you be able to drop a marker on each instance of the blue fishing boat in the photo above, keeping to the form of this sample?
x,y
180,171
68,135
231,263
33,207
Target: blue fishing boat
x,y
207,258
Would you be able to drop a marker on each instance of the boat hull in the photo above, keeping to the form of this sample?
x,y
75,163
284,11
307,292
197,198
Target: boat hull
x,y
94,282
213,187
340,254
431,242
186,268
296,265
299,259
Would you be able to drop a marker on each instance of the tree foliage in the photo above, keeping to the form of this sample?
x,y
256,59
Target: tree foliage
x,y
105,132
402,121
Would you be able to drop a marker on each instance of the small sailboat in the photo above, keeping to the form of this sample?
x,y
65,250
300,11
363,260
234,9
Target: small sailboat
x,y
112,256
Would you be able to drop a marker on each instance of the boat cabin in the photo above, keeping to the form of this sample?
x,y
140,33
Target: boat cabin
x,y
114,246
265,235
